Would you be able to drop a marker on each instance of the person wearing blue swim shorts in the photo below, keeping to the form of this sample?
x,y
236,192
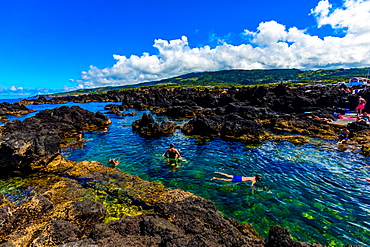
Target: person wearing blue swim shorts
x,y
343,135
233,178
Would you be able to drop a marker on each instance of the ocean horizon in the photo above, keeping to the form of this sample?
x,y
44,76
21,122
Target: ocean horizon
x,y
11,101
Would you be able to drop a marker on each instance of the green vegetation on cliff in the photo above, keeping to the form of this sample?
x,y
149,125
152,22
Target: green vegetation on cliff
x,y
229,78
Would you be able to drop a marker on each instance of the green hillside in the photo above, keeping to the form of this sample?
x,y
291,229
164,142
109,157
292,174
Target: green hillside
x,y
228,78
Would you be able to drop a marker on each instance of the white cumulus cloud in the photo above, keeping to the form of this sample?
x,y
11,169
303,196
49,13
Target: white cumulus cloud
x,y
272,45
14,88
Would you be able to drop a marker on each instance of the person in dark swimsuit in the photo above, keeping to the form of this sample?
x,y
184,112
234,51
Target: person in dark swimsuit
x,y
233,178
172,152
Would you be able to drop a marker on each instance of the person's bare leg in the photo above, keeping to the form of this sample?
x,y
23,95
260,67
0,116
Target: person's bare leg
x,y
224,174
222,179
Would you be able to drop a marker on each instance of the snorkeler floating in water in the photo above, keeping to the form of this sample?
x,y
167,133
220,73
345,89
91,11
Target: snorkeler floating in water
x,y
363,179
363,167
233,178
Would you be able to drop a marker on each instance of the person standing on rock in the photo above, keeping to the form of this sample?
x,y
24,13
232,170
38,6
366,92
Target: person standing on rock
x,y
360,106
172,152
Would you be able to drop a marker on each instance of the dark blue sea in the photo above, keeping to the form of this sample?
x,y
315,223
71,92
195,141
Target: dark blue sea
x,y
307,188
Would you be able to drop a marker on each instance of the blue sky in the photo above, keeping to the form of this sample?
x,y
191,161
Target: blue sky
x,y
50,45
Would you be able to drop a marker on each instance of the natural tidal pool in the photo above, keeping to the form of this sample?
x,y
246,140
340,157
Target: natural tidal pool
x,y
307,188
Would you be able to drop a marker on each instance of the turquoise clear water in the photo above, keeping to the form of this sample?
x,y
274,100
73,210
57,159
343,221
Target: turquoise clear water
x,y
307,188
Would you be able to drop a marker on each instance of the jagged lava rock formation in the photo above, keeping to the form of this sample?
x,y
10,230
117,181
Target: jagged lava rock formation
x,y
26,145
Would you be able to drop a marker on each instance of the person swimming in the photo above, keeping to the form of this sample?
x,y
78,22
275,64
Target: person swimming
x,y
343,135
363,179
79,136
233,178
113,162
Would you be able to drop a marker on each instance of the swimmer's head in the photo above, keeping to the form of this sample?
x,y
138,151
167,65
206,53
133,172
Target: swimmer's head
x,y
258,178
172,145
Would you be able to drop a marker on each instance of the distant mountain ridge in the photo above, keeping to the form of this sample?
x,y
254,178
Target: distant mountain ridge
x,y
242,77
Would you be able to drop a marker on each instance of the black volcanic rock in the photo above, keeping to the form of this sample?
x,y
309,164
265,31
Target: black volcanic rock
x,y
192,222
189,222
278,99
84,213
40,100
114,109
7,109
263,105
65,121
26,145
7,222
147,127
180,111
280,237
231,125
19,151
58,232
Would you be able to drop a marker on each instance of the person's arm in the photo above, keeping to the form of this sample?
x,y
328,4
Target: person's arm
x,y
116,162
253,182
165,153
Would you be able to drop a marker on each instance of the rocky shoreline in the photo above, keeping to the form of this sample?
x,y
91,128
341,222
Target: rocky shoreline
x,y
7,109
69,206
253,112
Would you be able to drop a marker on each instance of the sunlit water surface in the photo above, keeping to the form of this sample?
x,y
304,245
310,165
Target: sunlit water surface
x,y
307,188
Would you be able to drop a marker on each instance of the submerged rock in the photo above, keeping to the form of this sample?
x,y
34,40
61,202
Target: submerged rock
x,y
61,208
191,222
279,236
